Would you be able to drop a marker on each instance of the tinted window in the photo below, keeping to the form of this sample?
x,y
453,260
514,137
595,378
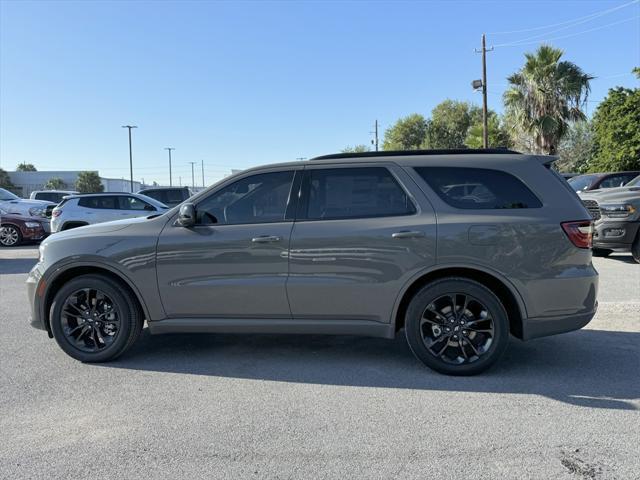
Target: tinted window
x,y
616,181
581,182
132,203
49,196
354,193
474,188
259,198
103,202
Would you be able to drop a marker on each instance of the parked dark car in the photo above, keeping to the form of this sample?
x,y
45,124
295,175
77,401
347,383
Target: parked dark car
x,y
170,196
595,181
456,249
16,229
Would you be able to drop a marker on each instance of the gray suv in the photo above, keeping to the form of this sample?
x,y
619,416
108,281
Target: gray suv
x,y
459,249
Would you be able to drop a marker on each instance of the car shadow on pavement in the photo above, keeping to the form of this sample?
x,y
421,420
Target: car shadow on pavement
x,y
622,258
589,368
16,265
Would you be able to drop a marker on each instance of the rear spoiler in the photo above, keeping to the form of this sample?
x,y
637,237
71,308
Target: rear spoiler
x,y
546,160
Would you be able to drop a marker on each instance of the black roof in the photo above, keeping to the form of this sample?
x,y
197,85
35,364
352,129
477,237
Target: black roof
x,y
404,153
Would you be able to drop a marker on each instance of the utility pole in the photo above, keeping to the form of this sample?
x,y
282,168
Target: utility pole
x,y
193,178
375,133
202,164
130,153
169,149
485,128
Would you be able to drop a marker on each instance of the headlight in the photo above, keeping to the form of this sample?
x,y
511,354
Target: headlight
x,y
31,224
618,210
37,212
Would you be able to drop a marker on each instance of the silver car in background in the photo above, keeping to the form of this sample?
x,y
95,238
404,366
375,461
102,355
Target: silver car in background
x,y
86,209
458,249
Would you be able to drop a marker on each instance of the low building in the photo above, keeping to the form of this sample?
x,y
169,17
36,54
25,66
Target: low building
x,y
27,182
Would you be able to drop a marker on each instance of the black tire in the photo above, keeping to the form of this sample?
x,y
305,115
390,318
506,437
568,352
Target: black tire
x,y
601,252
635,248
122,306
477,312
10,236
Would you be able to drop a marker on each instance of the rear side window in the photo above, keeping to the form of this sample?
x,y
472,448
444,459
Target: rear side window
x,y
102,202
478,188
49,196
354,193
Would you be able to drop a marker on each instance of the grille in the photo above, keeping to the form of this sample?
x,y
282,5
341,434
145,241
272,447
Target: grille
x,y
593,208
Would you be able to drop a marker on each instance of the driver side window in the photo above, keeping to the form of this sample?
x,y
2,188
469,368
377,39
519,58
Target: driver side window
x,y
260,198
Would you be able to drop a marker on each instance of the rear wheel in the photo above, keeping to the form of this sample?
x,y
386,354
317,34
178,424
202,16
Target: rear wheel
x,y
94,319
10,236
457,326
601,252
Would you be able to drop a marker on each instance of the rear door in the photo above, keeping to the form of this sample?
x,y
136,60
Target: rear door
x,y
360,234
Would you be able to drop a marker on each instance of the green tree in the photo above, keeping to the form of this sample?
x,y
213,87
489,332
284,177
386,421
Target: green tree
x,y
55,183
89,182
26,167
546,95
5,181
576,148
498,134
616,127
356,149
408,133
449,124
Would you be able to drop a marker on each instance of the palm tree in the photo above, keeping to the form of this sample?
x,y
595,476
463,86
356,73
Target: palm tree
x,y
546,95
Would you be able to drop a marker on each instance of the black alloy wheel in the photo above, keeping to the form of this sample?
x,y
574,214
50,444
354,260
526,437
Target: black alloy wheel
x,y
95,318
457,326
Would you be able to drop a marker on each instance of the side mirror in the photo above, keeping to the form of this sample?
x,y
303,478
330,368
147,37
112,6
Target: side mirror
x,y
187,215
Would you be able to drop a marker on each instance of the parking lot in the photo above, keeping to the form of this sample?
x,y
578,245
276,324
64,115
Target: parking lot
x,y
257,406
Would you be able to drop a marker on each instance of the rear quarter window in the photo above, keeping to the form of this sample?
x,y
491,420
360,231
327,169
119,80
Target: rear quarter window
x,y
478,188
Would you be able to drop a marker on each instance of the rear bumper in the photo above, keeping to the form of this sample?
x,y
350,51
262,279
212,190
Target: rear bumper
x,y
545,326
616,235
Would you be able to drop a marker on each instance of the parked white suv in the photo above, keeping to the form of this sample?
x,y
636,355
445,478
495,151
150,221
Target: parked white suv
x,y
79,210
12,203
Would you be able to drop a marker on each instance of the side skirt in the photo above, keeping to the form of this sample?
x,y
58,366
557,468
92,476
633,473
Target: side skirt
x,y
279,326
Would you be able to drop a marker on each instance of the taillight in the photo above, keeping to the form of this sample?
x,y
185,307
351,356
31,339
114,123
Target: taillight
x,y
580,233
56,213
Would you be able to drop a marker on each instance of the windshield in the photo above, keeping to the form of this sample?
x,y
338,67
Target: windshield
x,y
6,195
581,182
634,183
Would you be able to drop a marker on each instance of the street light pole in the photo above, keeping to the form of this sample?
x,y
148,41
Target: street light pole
x,y
193,178
130,153
169,149
202,164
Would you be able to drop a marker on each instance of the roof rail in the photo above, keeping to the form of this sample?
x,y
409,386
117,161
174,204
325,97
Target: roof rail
x,y
398,153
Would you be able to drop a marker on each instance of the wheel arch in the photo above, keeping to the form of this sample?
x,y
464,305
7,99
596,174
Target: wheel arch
x,y
66,274
69,224
506,292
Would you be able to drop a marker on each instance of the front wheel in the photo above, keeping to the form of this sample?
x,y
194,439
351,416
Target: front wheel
x,y
94,319
10,236
457,326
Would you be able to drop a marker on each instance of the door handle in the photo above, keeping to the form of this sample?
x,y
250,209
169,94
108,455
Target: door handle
x,y
407,234
265,239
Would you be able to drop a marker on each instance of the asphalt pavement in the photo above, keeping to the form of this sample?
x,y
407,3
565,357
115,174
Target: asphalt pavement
x,y
267,406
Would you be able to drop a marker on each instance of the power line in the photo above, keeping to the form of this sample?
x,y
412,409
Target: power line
x,y
518,44
590,16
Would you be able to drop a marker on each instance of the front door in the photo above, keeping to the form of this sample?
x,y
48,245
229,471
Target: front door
x,y
359,237
233,263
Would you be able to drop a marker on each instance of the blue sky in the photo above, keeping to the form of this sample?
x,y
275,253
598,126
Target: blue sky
x,y
238,84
